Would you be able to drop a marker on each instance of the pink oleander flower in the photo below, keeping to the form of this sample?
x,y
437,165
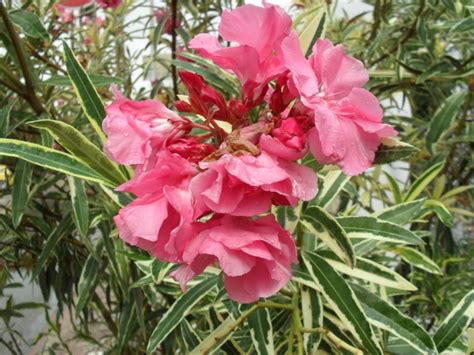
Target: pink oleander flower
x,y
164,209
246,185
168,27
204,100
347,118
257,59
109,4
255,255
87,41
65,16
191,149
288,140
75,3
135,129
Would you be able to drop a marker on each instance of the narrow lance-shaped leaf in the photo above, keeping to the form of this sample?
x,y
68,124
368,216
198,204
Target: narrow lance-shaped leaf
x,y
5,119
376,229
261,331
369,271
87,94
391,150
127,321
80,207
325,227
190,337
385,316
30,23
89,277
417,259
312,317
455,323
423,181
64,227
441,211
20,191
313,28
443,117
82,148
343,301
175,314
217,337
50,158
402,213
333,183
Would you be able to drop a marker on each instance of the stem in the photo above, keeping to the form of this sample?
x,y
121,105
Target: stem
x,y
30,94
339,343
174,14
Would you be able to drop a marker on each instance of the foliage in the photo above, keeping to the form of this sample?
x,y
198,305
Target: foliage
x,y
385,265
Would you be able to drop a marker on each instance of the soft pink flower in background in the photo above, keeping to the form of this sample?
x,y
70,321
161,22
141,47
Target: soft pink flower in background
x,y
109,4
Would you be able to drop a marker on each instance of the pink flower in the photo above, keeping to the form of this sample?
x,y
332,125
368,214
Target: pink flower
x,y
164,208
348,119
168,27
191,149
246,185
288,140
109,4
65,16
137,128
259,32
75,3
87,41
255,255
204,100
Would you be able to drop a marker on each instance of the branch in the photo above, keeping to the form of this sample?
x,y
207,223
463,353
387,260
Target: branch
x,y
174,14
30,94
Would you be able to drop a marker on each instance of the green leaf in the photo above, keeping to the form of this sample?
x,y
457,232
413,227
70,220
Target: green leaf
x,y
391,150
180,308
417,259
385,316
423,181
217,337
190,337
369,271
343,301
261,331
82,148
88,97
96,80
80,206
376,229
332,183
5,119
89,278
20,191
402,213
314,27
441,211
324,226
50,158
29,23
455,323
397,195
443,117
312,317
65,227
126,323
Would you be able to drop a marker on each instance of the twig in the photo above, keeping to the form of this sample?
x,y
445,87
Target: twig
x,y
30,94
404,38
174,14
339,343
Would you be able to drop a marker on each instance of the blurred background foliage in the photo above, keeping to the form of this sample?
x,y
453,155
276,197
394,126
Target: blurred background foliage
x,y
57,232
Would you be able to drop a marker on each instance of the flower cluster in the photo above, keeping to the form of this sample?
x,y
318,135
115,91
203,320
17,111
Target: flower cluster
x,y
204,187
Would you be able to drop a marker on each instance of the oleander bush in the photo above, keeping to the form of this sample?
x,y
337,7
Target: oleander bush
x,y
213,177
